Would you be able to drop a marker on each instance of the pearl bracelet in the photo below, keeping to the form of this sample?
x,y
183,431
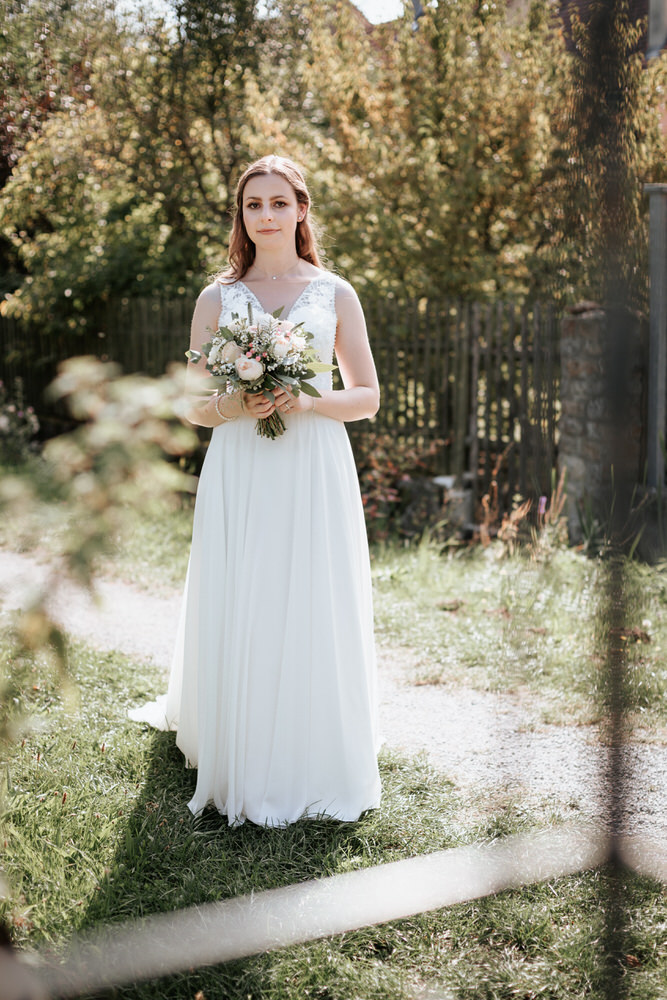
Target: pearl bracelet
x,y
225,419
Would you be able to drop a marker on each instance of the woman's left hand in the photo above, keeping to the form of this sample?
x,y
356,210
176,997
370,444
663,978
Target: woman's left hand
x,y
287,402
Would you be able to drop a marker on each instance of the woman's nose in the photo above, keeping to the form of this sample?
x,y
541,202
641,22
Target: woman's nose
x,y
267,212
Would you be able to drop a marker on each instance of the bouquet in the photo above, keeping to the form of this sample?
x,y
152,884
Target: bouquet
x,y
259,355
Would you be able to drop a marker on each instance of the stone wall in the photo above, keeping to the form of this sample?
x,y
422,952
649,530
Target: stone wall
x,y
585,418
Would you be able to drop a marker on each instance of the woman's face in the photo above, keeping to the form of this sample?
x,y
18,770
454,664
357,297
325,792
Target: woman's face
x,y
270,211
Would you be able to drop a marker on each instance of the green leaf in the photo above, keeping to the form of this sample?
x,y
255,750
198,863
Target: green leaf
x,y
309,389
194,356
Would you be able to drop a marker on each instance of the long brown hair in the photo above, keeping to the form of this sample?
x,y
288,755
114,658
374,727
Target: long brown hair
x,y
241,247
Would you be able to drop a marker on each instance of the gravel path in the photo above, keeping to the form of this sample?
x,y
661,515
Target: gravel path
x,y
492,744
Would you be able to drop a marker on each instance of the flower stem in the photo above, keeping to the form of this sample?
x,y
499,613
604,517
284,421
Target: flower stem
x,y
271,427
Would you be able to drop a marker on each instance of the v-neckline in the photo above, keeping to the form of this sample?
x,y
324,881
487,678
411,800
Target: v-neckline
x,y
284,315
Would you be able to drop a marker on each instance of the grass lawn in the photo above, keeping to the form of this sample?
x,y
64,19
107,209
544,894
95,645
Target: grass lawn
x,y
95,830
95,827
504,624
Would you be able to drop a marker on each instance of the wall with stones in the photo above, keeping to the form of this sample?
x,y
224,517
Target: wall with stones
x,y
585,419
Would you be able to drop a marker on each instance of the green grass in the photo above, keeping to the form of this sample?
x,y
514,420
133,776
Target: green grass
x,y
478,618
95,830
95,827
150,549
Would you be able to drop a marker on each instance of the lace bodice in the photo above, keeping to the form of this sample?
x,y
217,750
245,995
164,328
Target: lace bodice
x,y
315,307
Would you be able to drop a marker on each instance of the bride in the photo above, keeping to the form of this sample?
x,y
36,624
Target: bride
x,y
272,691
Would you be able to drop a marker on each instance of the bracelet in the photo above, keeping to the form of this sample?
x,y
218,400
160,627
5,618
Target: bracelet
x,y
312,404
223,417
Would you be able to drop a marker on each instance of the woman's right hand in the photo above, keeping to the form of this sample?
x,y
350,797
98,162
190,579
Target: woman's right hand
x,y
257,405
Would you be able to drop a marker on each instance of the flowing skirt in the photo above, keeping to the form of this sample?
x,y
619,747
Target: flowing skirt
x,y
273,689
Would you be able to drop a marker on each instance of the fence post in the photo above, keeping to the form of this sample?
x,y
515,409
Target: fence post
x,y
657,367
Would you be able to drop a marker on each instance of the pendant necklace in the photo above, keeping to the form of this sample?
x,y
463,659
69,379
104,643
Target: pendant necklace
x,y
282,274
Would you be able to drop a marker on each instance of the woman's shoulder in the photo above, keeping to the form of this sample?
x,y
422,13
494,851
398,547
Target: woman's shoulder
x,y
344,290
210,295
215,288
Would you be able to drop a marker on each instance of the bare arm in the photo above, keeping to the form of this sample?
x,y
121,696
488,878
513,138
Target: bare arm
x,y
204,322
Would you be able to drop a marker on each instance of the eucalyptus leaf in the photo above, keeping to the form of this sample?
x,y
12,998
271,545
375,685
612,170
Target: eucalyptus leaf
x,y
316,367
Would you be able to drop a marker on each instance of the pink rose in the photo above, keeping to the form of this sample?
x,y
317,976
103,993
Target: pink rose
x,y
230,352
249,369
284,326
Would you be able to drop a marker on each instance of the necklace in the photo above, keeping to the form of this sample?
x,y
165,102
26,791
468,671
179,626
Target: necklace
x,y
280,274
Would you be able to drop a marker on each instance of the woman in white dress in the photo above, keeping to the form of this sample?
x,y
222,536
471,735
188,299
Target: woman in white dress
x,y
272,690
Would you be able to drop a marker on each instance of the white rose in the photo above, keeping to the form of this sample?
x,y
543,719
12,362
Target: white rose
x,y
236,325
298,342
280,348
230,352
249,368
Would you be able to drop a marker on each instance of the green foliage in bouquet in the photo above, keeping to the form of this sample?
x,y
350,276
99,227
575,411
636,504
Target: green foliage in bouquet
x,y
259,356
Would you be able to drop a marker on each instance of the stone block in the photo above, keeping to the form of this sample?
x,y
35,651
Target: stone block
x,y
598,409
594,447
575,466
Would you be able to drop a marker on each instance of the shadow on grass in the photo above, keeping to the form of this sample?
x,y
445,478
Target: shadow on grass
x,y
166,860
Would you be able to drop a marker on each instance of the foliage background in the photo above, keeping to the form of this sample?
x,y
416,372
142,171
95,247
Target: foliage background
x,y
445,160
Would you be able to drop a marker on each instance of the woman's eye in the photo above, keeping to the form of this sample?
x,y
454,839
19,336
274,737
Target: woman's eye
x,y
252,204
280,204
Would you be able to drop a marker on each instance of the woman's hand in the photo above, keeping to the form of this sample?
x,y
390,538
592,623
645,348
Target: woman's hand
x,y
257,405
287,402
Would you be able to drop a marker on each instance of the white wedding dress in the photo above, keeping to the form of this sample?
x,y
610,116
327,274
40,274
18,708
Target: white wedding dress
x,y
272,689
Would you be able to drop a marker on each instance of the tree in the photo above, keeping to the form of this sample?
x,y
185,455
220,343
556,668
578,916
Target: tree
x,y
432,145
46,50
622,108
129,192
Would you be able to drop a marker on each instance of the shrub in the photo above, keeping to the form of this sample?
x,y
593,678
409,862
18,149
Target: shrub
x,y
396,489
18,425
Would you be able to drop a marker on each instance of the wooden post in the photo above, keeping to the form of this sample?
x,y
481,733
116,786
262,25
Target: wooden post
x,y
657,367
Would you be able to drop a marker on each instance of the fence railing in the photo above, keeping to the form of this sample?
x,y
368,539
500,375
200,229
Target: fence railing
x,y
482,379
